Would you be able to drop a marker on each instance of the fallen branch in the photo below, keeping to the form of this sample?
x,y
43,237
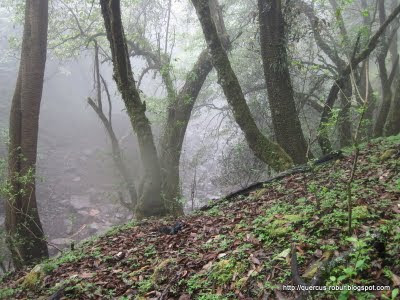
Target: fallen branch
x,y
296,170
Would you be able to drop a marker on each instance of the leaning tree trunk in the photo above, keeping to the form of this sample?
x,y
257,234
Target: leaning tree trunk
x,y
267,151
150,202
285,120
24,230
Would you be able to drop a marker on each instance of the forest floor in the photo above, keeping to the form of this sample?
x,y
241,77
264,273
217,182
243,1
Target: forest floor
x,y
244,248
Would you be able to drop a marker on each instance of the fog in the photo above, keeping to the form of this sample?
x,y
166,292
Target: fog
x,y
77,183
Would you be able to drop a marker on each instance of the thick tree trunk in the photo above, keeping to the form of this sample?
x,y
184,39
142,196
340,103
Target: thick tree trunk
x,y
25,234
267,151
285,120
150,202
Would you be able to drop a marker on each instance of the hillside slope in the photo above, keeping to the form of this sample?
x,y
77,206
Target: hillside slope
x,y
241,248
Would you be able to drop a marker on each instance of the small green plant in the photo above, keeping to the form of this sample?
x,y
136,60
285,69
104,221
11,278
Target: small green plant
x,y
150,251
145,286
7,293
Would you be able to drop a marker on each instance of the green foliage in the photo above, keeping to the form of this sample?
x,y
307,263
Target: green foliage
x,y
7,293
145,286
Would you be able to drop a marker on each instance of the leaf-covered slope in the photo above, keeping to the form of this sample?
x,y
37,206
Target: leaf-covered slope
x,y
240,249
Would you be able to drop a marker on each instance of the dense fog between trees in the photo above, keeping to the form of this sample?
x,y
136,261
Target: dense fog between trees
x,y
233,92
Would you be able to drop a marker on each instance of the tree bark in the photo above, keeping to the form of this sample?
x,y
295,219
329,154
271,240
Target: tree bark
x,y
285,120
392,126
267,151
386,95
24,230
179,113
180,107
150,202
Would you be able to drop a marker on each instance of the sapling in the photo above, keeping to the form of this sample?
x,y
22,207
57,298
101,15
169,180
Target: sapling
x,y
356,147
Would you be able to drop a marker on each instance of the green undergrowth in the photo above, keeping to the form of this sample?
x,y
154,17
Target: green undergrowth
x,y
242,248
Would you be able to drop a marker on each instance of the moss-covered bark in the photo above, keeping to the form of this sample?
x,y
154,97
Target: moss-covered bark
x,y
179,112
285,119
150,202
392,126
269,152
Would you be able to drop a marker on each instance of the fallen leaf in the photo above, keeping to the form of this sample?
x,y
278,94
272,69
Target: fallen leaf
x,y
208,265
86,275
396,280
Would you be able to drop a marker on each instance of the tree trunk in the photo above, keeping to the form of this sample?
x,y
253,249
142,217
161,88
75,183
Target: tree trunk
x,y
344,115
385,78
150,202
392,126
285,120
267,151
25,234
369,114
179,113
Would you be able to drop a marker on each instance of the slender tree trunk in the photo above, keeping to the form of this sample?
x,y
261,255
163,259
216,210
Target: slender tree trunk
x,y
285,120
392,126
267,151
345,115
25,234
385,78
371,105
150,202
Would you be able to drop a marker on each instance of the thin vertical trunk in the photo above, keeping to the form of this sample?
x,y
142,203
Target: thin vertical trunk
x,y
287,127
386,83
25,234
344,115
150,202
371,105
392,126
